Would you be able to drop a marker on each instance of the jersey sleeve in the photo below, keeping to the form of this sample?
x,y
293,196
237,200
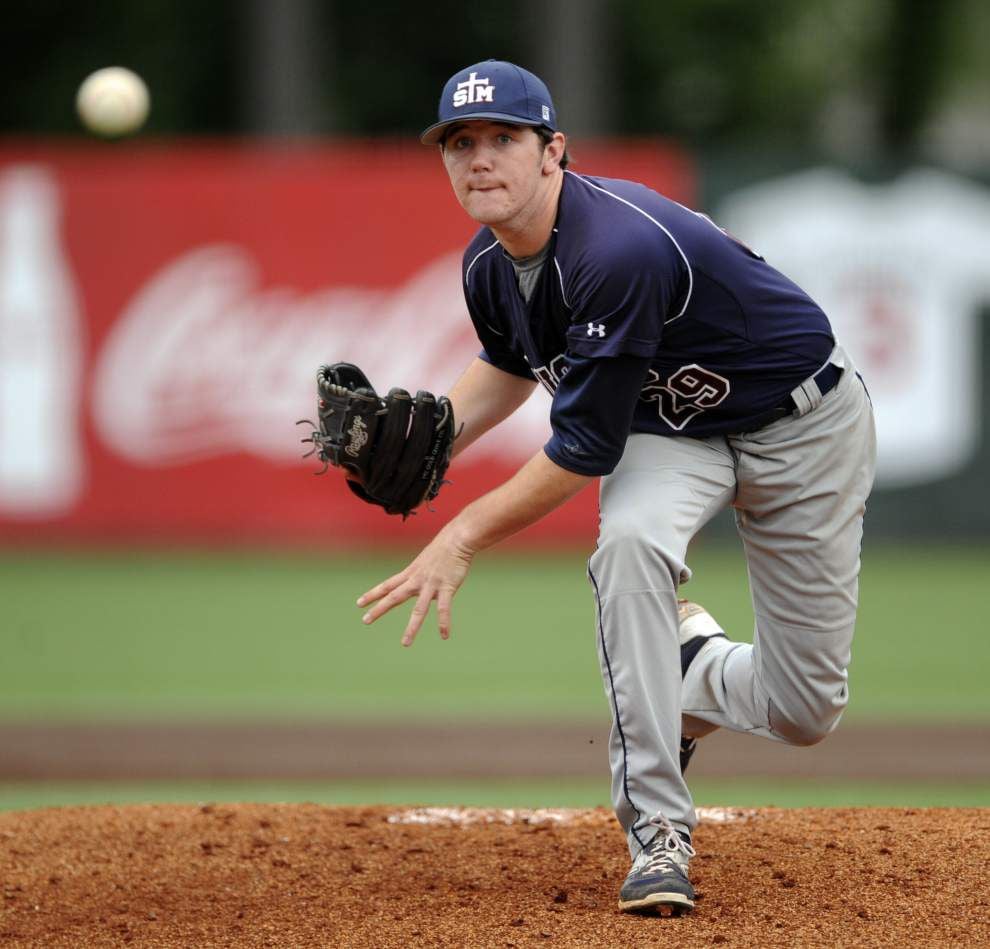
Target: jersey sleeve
x,y
592,412
621,295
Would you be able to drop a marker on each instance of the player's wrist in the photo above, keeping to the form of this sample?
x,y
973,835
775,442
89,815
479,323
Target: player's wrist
x,y
462,538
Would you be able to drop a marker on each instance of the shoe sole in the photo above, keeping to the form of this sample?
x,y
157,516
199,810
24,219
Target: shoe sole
x,y
686,609
675,903
701,622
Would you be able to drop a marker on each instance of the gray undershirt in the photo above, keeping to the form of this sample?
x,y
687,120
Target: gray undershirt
x,y
528,270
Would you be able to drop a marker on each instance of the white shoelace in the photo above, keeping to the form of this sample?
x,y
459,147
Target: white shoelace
x,y
673,850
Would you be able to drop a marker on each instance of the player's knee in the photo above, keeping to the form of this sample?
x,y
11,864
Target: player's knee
x,y
808,723
803,733
628,546
621,530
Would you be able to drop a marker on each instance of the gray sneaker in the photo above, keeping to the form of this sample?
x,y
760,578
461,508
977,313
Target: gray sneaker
x,y
696,627
658,880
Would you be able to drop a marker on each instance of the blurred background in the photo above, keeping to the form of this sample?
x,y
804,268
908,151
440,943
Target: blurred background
x,y
176,588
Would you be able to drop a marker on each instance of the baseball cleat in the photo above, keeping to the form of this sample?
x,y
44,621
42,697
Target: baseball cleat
x,y
658,881
696,626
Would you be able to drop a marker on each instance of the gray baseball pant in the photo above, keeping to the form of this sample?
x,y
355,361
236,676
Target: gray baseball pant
x,y
799,487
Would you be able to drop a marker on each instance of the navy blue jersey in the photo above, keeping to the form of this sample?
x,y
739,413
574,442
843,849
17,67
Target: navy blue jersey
x,y
646,317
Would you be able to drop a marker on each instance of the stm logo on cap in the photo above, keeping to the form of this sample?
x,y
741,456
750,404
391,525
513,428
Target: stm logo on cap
x,y
523,99
473,90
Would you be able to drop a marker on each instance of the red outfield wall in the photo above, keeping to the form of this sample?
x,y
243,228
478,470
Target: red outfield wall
x,y
163,309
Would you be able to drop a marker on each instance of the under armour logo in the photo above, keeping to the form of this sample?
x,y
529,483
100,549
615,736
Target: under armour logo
x,y
598,330
473,90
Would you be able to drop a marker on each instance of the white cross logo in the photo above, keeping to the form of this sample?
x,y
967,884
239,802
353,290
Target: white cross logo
x,y
472,90
599,330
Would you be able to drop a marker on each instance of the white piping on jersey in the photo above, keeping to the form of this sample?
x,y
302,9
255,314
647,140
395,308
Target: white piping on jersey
x,y
467,273
563,294
649,217
481,253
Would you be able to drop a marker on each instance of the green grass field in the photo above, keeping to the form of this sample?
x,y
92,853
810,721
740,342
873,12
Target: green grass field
x,y
490,793
193,635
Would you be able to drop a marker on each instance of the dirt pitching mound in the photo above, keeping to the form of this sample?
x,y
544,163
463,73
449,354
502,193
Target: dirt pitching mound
x,y
306,875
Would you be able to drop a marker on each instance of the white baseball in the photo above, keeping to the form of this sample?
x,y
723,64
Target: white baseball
x,y
113,101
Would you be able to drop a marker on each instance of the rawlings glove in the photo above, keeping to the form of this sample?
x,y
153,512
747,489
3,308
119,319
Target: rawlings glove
x,y
394,450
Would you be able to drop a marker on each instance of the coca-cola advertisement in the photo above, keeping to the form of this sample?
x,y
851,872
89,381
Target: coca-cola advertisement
x,y
164,310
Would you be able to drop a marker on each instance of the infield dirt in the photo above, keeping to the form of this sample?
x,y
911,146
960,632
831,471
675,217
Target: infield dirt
x,y
307,875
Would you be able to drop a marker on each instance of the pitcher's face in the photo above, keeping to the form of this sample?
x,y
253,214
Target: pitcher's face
x,y
497,170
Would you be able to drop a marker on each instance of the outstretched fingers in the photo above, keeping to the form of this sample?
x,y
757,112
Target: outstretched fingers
x,y
417,616
386,596
444,598
436,574
380,589
406,590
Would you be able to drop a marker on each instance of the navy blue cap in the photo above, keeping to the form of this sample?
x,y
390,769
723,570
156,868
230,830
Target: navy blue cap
x,y
495,91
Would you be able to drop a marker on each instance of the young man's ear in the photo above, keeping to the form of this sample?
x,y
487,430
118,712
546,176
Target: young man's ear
x,y
553,152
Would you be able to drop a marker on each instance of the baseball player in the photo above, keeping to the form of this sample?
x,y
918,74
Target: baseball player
x,y
688,375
